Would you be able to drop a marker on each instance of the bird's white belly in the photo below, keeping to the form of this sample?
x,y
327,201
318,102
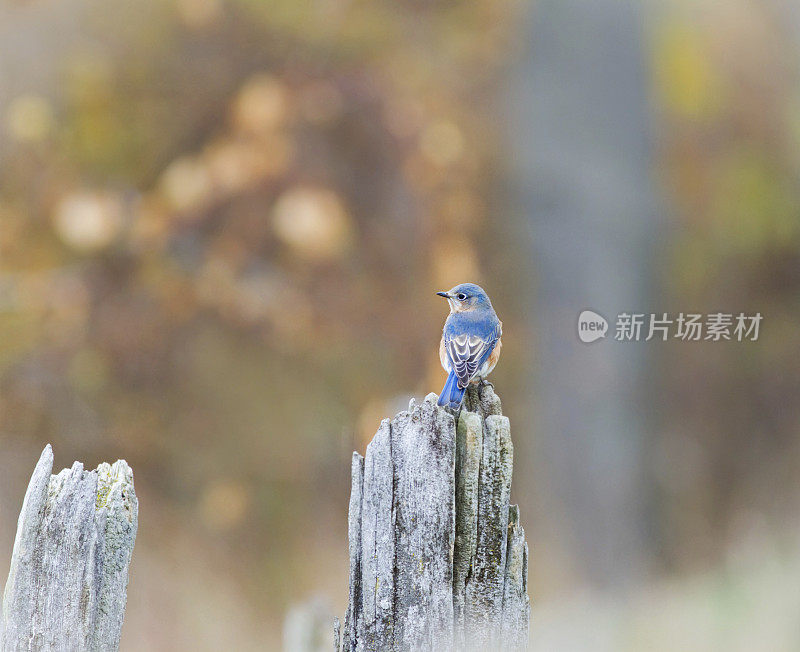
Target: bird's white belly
x,y
486,368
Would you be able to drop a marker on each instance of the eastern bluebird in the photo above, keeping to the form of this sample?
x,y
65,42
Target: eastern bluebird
x,y
470,345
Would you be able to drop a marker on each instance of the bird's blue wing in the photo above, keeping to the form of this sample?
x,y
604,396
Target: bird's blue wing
x,y
468,346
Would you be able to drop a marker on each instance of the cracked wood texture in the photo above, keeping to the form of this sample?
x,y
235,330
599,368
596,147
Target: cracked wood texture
x,y
67,586
438,558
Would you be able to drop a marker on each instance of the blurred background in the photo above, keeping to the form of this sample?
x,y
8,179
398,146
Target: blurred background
x,y
216,217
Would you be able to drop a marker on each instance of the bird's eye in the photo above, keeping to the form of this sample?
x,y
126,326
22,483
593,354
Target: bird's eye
x,y
461,296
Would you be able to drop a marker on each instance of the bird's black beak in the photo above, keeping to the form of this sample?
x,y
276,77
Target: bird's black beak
x,y
443,294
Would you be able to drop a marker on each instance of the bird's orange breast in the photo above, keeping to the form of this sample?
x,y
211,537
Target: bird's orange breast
x,y
443,356
494,356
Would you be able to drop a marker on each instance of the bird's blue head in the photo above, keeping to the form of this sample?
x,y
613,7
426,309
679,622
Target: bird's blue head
x,y
465,297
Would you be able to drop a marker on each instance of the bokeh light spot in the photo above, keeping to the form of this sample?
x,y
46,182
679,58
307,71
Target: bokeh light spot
x,y
313,223
442,143
262,105
29,118
88,221
186,184
223,504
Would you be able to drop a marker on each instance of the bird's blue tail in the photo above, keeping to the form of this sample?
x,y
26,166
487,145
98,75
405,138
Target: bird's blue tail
x,y
451,393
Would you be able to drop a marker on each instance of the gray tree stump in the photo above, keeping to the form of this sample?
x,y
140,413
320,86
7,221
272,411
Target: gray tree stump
x,y
67,586
438,558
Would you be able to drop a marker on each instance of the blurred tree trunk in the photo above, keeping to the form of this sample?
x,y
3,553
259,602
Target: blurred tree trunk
x,y
584,182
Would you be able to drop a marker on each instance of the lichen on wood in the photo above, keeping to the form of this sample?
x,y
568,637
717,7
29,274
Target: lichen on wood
x,y
67,586
438,559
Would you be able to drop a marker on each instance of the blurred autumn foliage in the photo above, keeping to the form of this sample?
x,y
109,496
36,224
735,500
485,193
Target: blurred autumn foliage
x,y
221,226
727,90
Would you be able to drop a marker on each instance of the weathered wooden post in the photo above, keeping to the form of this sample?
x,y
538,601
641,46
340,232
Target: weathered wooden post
x,y
67,586
438,558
